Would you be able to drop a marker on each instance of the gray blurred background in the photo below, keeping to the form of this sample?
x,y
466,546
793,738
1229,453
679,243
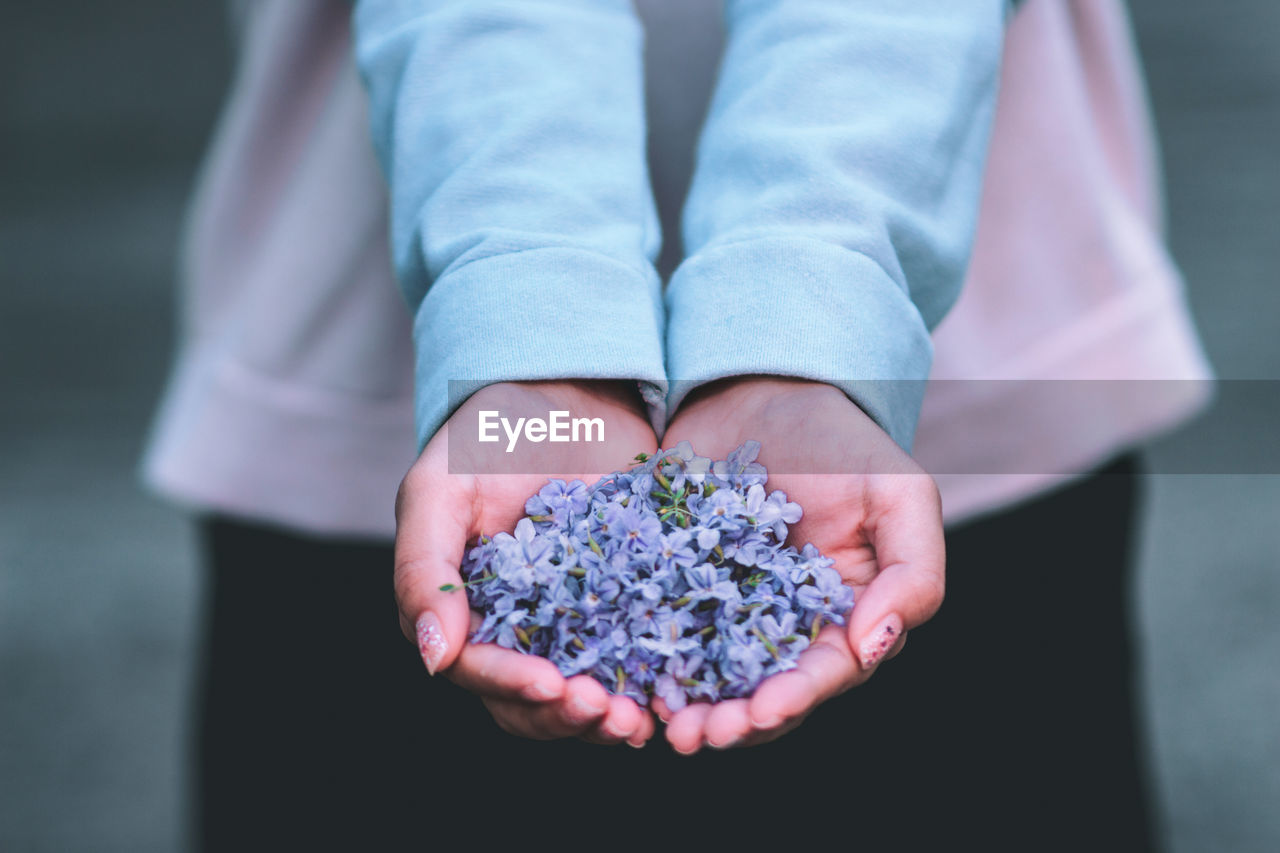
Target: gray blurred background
x,y
104,112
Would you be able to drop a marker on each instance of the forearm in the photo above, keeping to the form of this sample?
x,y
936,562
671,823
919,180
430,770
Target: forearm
x,y
835,195
523,230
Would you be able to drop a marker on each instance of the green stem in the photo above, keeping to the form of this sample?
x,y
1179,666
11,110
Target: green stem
x,y
770,647
450,587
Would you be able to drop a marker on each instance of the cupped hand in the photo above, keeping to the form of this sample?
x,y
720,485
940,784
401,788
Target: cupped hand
x,y
462,488
866,504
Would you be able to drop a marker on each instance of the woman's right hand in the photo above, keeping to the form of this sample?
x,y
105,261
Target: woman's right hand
x,y
451,495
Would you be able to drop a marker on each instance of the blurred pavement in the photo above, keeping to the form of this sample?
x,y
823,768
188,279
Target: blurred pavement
x,y
1209,585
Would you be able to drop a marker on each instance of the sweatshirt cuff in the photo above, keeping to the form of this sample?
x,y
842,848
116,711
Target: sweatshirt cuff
x,y
791,306
521,316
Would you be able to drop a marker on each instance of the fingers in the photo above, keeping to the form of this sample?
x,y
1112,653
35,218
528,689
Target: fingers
x,y
497,673
780,703
778,706
905,526
723,725
728,724
584,703
642,733
823,670
579,711
718,725
685,728
433,522
623,721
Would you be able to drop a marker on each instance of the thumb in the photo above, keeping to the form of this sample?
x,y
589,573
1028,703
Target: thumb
x,y
434,515
906,531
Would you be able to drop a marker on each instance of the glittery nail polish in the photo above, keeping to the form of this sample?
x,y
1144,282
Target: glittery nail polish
x,y
431,642
877,644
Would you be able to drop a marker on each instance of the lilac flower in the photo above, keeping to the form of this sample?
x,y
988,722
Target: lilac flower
x,y
827,595
516,574
557,502
680,675
674,550
646,593
643,485
750,550
669,579
774,512
638,669
695,468
808,565
707,582
575,660
740,470
509,628
783,630
617,642
669,637
746,654
721,511
532,546
636,530
606,586
706,537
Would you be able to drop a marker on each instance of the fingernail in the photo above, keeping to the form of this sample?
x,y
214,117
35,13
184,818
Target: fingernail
x,y
431,642
583,708
635,745
771,723
539,692
730,742
877,644
612,731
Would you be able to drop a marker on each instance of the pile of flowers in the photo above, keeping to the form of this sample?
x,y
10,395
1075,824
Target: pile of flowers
x,y
671,579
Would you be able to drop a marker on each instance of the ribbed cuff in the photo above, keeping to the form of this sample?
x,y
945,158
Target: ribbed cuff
x,y
790,306
553,313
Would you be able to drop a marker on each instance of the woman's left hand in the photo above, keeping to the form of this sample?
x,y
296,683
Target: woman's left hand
x,y
867,505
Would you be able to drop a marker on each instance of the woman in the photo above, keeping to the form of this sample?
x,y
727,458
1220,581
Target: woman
x,y
290,412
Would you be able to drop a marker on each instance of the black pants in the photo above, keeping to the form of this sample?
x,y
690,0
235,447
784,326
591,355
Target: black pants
x,y
1006,723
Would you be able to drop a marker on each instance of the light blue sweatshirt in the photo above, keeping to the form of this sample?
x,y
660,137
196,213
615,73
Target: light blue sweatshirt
x,y
826,232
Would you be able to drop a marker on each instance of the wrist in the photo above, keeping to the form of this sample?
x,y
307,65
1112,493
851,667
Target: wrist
x,y
616,396
755,395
